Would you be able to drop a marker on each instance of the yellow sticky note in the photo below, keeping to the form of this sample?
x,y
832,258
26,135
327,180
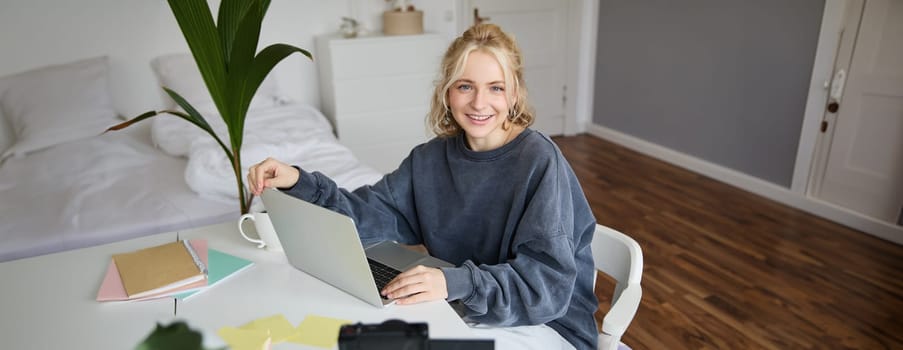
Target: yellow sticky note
x,y
318,331
245,339
279,327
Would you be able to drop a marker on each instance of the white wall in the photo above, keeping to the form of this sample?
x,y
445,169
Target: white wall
x,y
438,16
35,33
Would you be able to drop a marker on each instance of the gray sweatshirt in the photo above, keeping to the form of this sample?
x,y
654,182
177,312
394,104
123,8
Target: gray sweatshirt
x,y
513,220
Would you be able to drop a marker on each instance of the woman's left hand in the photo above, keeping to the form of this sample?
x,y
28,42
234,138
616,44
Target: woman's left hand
x,y
417,285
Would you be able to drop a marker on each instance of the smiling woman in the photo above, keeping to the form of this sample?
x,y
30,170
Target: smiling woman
x,y
488,194
479,104
482,78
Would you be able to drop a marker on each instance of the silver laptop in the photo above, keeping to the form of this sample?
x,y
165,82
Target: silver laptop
x,y
325,244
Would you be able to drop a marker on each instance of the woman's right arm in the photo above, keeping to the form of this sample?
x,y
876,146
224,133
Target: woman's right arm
x,y
380,212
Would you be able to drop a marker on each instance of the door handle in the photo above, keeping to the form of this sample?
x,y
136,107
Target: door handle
x,y
840,78
833,107
837,83
476,17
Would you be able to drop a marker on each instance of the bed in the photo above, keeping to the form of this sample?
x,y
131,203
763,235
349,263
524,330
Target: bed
x,y
64,184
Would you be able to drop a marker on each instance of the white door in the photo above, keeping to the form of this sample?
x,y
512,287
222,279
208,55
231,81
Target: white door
x,y
540,28
861,165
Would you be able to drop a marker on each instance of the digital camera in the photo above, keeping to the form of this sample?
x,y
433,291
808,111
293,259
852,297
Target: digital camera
x,y
389,335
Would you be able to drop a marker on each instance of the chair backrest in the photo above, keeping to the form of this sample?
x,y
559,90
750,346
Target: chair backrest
x,y
620,257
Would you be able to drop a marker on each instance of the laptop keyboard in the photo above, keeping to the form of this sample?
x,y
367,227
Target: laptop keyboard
x,y
381,273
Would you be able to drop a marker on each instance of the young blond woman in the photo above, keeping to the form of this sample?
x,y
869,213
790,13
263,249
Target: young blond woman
x,y
488,194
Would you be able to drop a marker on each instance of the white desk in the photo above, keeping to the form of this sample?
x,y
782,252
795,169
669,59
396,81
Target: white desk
x,y
272,286
48,301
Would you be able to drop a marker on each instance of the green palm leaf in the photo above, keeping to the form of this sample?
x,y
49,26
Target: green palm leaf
x,y
259,68
225,56
200,33
240,58
190,115
194,117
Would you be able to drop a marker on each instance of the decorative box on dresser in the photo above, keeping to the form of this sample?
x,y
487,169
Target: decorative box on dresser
x,y
376,92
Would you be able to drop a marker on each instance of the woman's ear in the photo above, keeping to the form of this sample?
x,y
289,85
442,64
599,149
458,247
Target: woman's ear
x,y
512,101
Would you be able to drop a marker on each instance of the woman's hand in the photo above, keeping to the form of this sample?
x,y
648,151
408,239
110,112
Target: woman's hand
x,y
417,285
271,173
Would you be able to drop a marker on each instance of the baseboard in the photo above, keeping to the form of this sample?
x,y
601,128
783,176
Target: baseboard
x,y
755,185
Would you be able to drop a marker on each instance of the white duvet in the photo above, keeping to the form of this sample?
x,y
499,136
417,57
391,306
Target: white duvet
x,y
93,191
118,186
294,134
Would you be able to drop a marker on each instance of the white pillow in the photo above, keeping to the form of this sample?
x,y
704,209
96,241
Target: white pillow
x,y
56,104
174,135
179,73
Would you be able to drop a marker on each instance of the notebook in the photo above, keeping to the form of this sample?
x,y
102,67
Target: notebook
x,y
221,266
111,289
326,245
158,269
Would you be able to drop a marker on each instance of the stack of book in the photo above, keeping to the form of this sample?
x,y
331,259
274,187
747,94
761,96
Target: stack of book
x,y
179,269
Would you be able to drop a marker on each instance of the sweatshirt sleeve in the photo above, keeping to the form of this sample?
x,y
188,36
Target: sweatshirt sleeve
x,y
375,209
535,284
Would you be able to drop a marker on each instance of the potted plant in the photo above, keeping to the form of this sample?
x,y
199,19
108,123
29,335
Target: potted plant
x,y
225,53
175,336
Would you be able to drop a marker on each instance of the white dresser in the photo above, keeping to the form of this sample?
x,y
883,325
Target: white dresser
x,y
376,92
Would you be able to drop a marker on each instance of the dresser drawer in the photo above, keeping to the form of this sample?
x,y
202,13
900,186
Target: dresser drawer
x,y
384,127
382,94
385,56
377,90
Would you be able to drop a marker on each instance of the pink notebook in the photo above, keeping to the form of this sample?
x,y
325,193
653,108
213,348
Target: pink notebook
x,y
111,288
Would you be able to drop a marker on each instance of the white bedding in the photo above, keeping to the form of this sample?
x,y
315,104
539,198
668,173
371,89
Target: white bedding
x,y
118,186
295,134
94,191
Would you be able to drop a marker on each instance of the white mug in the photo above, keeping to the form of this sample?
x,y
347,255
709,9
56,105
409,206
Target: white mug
x,y
265,232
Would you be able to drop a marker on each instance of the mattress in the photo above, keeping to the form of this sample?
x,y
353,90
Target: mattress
x,y
119,185
97,190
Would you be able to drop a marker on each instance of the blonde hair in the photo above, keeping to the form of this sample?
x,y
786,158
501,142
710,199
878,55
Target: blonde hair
x,y
490,39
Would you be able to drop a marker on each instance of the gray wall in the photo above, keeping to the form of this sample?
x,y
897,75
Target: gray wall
x,y
721,80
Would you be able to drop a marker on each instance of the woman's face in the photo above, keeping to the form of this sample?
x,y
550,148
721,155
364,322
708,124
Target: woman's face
x,y
479,103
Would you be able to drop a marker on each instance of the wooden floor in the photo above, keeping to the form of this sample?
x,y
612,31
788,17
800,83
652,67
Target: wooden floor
x,y
727,269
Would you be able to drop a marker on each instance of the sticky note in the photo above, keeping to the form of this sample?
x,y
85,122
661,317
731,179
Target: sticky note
x,y
245,339
279,327
318,331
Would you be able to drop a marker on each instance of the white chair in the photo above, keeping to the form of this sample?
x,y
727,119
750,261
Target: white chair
x,y
620,257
